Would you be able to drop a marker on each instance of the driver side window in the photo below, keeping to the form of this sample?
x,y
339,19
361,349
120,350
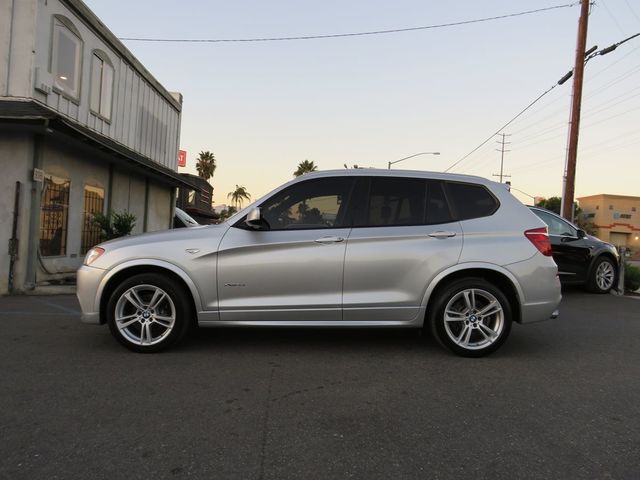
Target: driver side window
x,y
313,204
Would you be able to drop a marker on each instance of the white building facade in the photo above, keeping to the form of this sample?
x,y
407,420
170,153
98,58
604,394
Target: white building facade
x,y
84,128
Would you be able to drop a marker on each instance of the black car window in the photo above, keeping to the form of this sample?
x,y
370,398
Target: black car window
x,y
318,203
471,201
395,202
437,206
556,225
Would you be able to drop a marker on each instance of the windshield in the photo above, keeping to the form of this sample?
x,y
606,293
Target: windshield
x,y
186,218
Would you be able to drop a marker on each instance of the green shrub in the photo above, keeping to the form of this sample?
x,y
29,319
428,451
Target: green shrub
x,y
631,277
117,224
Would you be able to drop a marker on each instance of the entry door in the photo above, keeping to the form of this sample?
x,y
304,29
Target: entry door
x,y
293,270
395,248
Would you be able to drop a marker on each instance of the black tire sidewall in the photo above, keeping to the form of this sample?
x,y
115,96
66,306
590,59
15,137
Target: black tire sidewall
x,y
177,295
436,318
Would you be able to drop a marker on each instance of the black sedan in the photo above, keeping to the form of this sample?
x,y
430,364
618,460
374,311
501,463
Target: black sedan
x,y
581,258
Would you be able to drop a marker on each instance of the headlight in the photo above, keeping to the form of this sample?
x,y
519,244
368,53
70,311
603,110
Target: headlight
x,y
93,255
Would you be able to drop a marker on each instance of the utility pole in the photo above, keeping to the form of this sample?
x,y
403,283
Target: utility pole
x,y
574,125
502,151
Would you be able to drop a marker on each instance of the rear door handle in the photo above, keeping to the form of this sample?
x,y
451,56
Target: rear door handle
x,y
441,234
330,239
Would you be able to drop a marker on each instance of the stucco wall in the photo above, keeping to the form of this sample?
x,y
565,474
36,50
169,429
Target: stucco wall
x,y
159,211
15,158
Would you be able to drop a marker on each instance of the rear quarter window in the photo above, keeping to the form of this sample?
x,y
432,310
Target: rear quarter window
x,y
471,201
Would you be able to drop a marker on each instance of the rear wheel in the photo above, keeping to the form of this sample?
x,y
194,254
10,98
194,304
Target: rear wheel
x,y
603,275
471,317
148,313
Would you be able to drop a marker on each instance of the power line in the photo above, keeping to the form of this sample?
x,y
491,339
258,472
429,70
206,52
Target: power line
x,y
339,35
504,126
562,80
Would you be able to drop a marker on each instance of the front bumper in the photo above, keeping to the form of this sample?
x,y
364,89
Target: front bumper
x,y
88,284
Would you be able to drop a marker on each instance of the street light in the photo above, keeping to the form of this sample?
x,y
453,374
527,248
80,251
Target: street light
x,y
411,156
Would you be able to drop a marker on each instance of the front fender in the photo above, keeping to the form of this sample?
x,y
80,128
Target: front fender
x,y
142,262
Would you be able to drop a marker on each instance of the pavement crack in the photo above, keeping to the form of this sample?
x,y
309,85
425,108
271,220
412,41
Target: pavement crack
x,y
265,424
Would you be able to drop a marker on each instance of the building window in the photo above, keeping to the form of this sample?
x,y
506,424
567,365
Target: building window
x,y
610,207
633,209
597,207
191,197
66,57
93,203
54,216
101,84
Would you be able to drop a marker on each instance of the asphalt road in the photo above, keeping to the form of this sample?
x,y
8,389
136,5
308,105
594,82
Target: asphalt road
x,y
561,399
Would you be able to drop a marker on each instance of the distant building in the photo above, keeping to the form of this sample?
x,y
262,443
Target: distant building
x,y
84,128
616,217
196,200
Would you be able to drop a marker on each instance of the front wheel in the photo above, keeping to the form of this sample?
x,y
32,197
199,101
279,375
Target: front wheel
x,y
603,276
471,317
148,313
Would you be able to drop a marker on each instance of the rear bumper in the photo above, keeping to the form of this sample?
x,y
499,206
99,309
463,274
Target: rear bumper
x,y
540,288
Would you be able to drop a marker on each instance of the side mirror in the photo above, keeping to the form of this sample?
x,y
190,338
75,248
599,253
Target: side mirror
x,y
581,233
254,219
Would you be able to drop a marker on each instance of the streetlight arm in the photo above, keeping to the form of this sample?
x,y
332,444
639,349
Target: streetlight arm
x,y
411,156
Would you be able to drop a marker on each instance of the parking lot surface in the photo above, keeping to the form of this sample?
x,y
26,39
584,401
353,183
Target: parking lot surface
x,y
559,400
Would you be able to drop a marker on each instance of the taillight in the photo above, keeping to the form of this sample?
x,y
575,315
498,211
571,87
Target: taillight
x,y
540,238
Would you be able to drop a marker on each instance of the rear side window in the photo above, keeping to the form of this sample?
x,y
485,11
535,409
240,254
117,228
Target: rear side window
x,y
395,202
437,207
471,201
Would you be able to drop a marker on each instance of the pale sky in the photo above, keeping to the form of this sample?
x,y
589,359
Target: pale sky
x,y
262,108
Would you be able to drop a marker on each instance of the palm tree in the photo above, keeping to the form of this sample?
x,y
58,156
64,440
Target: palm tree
x,y
206,164
238,196
305,167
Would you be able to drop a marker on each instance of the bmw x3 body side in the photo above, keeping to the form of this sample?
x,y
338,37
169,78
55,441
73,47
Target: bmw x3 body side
x,y
456,254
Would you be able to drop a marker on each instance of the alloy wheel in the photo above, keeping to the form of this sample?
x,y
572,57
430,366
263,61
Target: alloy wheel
x,y
605,275
473,319
145,315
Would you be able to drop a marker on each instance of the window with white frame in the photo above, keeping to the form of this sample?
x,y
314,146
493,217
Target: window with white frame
x,y
66,56
101,84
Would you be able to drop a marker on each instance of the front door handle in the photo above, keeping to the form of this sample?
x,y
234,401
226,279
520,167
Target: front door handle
x,y
330,239
441,234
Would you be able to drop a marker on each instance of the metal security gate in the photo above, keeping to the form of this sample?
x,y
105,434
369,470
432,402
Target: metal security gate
x,y
54,217
93,203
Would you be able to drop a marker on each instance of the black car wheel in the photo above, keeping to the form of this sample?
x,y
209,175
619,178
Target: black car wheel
x,y
148,313
603,275
471,317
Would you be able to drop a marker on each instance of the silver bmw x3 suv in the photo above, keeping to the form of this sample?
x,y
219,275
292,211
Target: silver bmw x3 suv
x,y
457,255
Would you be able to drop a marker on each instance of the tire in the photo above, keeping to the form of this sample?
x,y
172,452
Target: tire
x,y
149,312
457,320
603,276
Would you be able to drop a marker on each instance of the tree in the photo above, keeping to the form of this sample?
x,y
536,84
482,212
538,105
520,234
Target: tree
x,y
305,167
227,212
206,164
238,196
551,203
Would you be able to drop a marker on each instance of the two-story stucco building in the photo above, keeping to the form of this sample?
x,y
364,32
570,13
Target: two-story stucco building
x,y
84,128
616,218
